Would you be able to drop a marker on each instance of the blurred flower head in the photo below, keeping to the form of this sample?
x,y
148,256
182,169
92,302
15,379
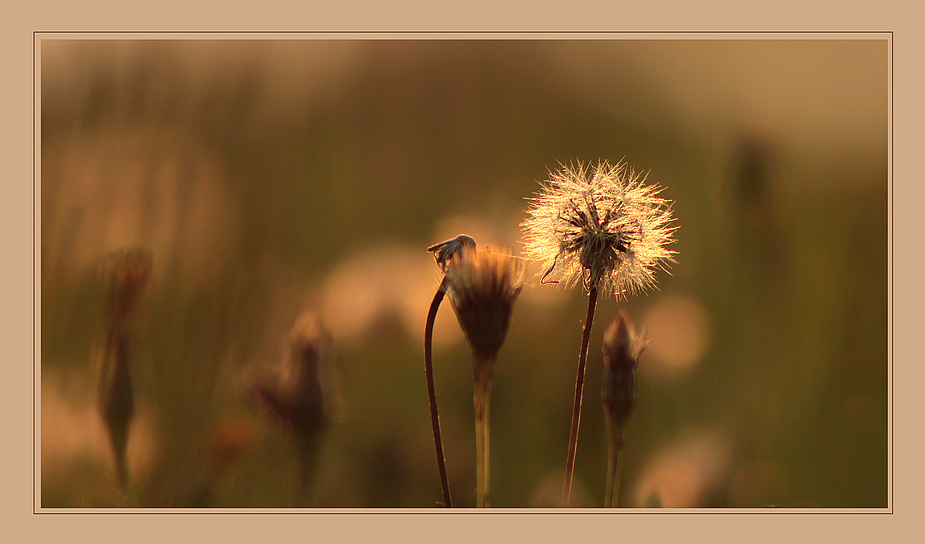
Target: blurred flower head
x,y
300,398
623,344
622,347
483,286
602,225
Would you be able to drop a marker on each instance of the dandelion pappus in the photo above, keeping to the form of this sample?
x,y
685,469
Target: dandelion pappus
x,y
601,225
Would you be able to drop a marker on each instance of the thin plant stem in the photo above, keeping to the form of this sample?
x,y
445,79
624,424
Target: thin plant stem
x,y
432,392
482,404
579,388
614,460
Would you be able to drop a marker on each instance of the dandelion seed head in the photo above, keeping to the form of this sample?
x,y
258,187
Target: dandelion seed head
x,y
602,225
300,394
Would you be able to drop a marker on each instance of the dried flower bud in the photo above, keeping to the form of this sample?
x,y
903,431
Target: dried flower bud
x,y
622,347
483,286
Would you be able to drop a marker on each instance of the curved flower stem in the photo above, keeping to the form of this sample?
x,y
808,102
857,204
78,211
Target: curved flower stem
x,y
616,430
579,387
432,392
482,404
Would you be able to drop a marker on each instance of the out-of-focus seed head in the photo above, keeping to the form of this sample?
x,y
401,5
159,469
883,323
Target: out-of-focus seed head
x,y
602,225
483,286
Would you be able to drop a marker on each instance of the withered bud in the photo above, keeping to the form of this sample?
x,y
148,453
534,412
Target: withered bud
x,y
622,348
310,347
125,275
483,286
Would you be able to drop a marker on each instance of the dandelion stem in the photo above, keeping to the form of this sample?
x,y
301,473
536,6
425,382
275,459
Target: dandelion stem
x,y
579,388
482,404
432,392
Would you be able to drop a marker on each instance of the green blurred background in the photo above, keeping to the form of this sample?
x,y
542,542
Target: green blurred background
x,y
273,178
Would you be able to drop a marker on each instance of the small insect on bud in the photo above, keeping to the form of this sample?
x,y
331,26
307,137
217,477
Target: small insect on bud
x,y
444,252
622,348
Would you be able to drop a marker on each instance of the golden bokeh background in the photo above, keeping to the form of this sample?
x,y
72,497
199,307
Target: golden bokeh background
x,y
270,179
